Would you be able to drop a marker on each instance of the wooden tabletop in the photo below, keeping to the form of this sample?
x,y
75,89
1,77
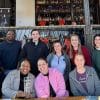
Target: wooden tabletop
x,y
62,98
66,98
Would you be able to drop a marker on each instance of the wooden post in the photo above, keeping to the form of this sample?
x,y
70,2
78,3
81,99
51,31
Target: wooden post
x,y
88,31
87,16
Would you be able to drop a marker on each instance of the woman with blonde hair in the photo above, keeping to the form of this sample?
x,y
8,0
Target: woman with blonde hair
x,y
76,47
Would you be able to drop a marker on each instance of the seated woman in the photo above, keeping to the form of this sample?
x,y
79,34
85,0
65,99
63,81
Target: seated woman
x,y
83,79
14,83
59,59
96,54
50,82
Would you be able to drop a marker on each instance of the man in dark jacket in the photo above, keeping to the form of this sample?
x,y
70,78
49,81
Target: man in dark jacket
x,y
34,50
9,52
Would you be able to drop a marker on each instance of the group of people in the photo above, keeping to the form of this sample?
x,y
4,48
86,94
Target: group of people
x,y
51,74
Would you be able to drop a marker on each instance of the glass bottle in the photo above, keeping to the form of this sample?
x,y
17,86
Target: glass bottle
x,y
27,85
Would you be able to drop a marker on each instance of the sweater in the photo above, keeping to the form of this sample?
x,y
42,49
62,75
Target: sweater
x,y
57,81
96,60
9,54
92,83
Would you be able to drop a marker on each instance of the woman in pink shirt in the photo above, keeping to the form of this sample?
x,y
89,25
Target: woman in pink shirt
x,y
50,82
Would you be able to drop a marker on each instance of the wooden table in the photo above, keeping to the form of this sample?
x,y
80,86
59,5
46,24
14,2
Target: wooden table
x,y
66,98
62,98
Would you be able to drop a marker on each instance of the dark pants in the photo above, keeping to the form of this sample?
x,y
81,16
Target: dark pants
x,y
2,76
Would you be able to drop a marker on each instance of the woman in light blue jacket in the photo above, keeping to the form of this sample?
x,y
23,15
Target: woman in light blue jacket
x,y
14,83
59,60
83,79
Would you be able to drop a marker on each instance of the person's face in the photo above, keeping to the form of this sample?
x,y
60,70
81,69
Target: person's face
x,y
57,47
42,66
10,36
97,41
79,61
25,67
74,23
74,41
35,35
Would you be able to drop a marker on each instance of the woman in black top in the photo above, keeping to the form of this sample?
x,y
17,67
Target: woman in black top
x,y
19,82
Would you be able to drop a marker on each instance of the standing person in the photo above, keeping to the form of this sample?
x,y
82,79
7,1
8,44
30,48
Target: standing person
x,y
76,47
2,76
96,54
49,82
59,59
34,50
14,83
83,79
9,52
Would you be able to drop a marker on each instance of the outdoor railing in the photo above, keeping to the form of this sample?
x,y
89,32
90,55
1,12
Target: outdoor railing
x,y
24,33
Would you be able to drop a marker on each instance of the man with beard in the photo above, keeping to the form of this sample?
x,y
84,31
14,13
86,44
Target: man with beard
x,y
9,52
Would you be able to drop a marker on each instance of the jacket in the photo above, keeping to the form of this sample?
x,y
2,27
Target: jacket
x,y
68,65
33,53
57,83
92,83
11,83
9,54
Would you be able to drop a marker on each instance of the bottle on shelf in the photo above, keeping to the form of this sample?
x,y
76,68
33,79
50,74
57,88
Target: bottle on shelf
x,y
51,10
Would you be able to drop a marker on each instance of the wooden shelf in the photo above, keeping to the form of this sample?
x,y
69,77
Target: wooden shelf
x,y
56,9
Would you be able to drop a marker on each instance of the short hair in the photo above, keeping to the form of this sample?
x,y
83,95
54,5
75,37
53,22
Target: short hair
x,y
54,42
44,59
24,59
11,31
35,30
80,54
96,35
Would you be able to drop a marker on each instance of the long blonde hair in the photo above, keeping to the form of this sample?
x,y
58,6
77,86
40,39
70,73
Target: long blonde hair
x,y
71,47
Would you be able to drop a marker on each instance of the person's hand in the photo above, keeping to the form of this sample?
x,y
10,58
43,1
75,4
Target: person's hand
x,y
20,94
27,95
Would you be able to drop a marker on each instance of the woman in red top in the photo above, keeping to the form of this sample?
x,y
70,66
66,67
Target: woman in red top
x,y
76,47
